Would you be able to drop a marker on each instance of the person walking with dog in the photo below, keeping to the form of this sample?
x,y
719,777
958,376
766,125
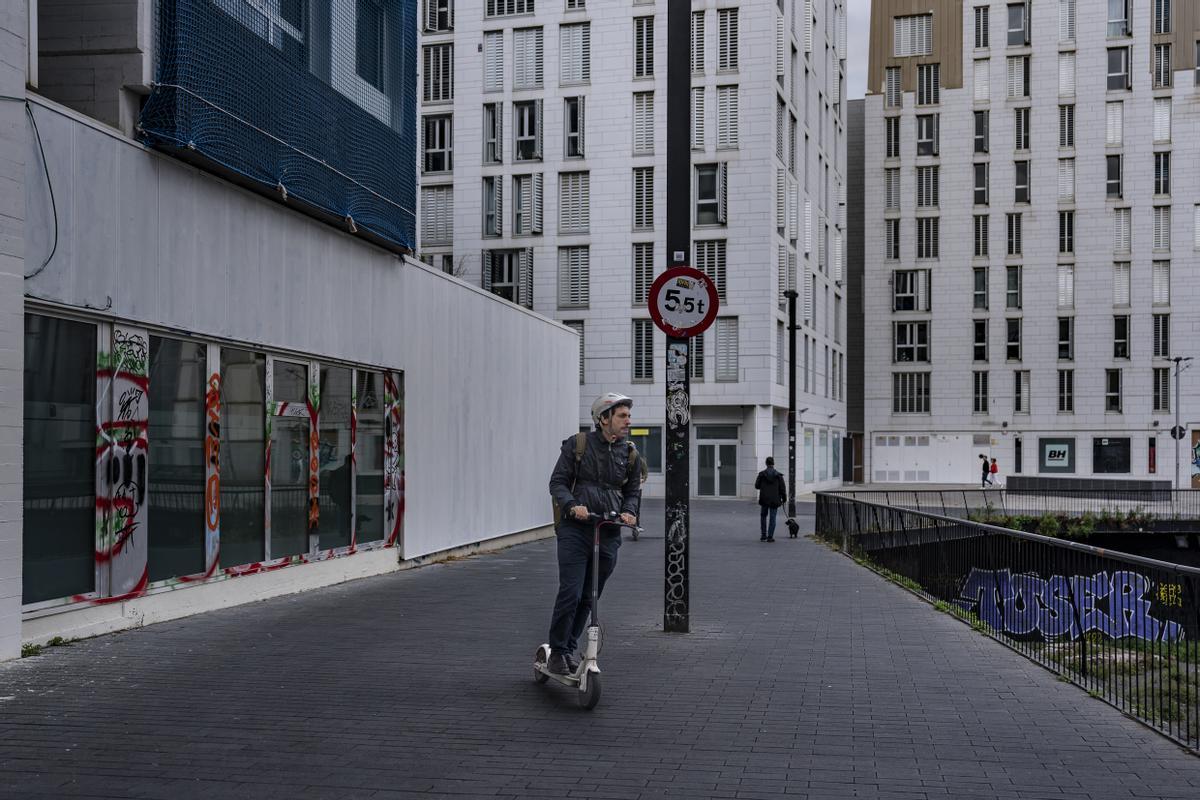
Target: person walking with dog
x,y
772,493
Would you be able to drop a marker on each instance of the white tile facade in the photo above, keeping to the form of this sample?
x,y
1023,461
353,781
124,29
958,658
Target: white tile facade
x,y
754,235
955,432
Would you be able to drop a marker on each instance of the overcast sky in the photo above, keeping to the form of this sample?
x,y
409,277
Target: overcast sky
x,y
857,32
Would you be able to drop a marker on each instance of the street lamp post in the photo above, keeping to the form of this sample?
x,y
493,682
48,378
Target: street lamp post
x,y
1177,431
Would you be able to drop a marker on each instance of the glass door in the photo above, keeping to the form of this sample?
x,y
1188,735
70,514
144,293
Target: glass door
x,y
716,469
727,470
706,470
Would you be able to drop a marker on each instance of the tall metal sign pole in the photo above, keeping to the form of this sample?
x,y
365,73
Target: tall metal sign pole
x,y
790,294
678,437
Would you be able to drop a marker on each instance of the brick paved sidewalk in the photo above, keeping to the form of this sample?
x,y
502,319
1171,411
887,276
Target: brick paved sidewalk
x,y
805,676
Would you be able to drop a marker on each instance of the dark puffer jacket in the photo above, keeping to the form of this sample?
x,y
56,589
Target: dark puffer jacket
x,y
606,481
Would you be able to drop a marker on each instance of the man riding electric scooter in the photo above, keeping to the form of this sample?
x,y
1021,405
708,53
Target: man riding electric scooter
x,y
601,477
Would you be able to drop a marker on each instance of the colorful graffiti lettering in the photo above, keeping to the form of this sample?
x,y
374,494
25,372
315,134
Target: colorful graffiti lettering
x,y
212,469
393,456
1062,606
314,452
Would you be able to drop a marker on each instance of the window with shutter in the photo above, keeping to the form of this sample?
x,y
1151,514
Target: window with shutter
x,y
982,82
1066,179
698,118
525,285
912,35
493,208
793,198
643,122
981,27
1162,65
791,270
893,88
1162,119
727,117
808,26
573,264
808,226
891,189
437,215
643,47
727,39
574,202
780,48
1066,126
1162,227
698,42
1121,283
1196,226
1162,336
780,113
527,58
1066,232
780,199
643,198
1066,20
1018,79
522,204
575,53
929,84
643,350
1161,280
439,73
643,272
727,349
1121,232
1066,74
493,61
1066,285
577,326
838,257
710,259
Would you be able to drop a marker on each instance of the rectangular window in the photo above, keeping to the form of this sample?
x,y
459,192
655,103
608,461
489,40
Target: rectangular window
x,y
981,392
912,36
696,357
437,215
981,184
1113,186
575,53
439,16
578,326
1162,66
1162,335
1121,336
1012,339
1118,68
1066,232
1162,389
1121,283
574,202
1021,128
1018,24
927,134
438,73
983,87
1066,390
981,27
573,269
1066,338
527,125
1114,123
573,129
1018,76
1118,18
710,259
1162,173
891,239
527,204
1021,391
438,143
643,350
697,119
643,272
981,131
980,288
891,189
980,340
1122,242
911,342
893,94
1161,283
1066,126
1112,390
892,127
780,361
1014,233
697,43
927,187
910,393
1066,20
643,198
1162,227
727,349
493,61
1066,179
927,237
1066,285
981,235
1021,182
1162,119
493,139
1012,287
910,290
507,8
492,205
1066,74
727,39
1162,16
527,58
727,117
643,122
711,193
929,84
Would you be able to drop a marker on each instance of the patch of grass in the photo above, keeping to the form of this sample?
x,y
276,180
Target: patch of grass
x,y
28,650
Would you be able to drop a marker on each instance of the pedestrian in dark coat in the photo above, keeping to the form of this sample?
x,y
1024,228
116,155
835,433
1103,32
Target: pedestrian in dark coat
x,y
987,471
772,493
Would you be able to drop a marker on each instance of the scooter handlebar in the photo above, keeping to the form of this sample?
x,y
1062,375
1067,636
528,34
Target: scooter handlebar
x,y
610,518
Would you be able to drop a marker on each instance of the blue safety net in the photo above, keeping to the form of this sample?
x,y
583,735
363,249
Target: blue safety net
x,y
312,99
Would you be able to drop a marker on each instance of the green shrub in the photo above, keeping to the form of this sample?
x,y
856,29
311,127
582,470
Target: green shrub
x,y
1081,528
1049,525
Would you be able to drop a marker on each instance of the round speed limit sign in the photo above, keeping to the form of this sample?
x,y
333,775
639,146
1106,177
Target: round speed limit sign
x,y
683,302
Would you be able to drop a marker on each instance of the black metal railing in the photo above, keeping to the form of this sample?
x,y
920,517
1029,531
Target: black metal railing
x,y
1157,504
1123,627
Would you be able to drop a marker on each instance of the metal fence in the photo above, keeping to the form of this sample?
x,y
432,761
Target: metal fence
x,y
1161,504
1125,628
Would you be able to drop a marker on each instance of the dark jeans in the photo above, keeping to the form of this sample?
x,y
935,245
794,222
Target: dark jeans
x,y
574,602
768,532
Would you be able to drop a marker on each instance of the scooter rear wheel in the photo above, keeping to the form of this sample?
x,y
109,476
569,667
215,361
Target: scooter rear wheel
x,y
588,698
539,657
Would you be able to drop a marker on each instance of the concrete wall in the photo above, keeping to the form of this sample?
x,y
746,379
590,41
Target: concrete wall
x,y
490,389
13,126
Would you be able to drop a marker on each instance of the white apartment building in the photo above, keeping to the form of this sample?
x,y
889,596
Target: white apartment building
x,y
1033,226
542,171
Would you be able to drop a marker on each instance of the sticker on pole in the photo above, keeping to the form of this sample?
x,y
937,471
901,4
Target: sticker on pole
x,y
683,302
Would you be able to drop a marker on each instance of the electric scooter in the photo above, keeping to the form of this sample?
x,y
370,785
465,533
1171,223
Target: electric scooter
x,y
587,678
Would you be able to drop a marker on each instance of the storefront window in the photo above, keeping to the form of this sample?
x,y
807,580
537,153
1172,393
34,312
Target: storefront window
x,y
243,468
290,425
809,457
649,444
335,457
1110,455
368,506
837,456
176,438
59,537
823,459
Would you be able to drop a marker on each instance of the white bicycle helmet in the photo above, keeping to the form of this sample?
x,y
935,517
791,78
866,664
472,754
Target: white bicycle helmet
x,y
607,402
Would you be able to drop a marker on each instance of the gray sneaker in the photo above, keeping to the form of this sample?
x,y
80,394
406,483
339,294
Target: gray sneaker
x,y
559,664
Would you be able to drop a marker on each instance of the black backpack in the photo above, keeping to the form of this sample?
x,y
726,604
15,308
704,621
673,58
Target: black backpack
x,y
580,447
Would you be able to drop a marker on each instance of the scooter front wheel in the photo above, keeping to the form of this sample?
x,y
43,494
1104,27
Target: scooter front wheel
x,y
539,657
589,697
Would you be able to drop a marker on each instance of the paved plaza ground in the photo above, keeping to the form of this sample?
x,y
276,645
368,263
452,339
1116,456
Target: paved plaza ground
x,y
805,676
